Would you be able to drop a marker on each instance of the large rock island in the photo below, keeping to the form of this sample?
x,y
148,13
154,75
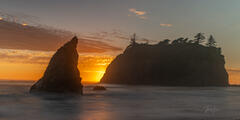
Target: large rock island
x,y
62,74
182,62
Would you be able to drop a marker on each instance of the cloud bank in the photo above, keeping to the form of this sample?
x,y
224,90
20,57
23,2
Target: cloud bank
x,y
24,37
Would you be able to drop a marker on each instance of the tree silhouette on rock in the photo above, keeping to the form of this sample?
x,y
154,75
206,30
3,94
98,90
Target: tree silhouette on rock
x,y
211,42
199,38
133,39
164,42
182,62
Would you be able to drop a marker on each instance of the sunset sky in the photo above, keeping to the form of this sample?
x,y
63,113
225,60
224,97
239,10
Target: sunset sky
x,y
31,30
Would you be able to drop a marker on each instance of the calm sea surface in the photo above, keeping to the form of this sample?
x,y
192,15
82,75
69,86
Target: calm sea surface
x,y
121,102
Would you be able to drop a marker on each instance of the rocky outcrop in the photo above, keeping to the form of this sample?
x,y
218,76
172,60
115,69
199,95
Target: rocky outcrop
x,y
62,74
177,64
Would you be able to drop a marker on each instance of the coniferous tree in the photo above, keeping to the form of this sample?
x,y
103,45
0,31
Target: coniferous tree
x,y
199,38
211,42
133,39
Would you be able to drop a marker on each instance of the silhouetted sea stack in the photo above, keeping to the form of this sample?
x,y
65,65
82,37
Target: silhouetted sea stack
x,y
180,63
62,74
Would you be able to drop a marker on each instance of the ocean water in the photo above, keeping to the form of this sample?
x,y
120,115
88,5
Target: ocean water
x,y
121,102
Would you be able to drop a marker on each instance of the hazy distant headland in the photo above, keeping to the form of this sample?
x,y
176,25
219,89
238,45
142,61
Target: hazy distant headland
x,y
181,62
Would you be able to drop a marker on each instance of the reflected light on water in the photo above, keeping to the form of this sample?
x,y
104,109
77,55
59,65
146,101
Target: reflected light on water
x,y
96,107
96,115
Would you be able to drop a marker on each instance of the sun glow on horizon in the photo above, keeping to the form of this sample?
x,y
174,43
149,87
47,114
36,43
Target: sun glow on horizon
x,y
99,75
24,24
92,68
92,76
30,65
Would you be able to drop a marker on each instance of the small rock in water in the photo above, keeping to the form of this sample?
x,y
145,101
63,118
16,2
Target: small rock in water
x,y
99,88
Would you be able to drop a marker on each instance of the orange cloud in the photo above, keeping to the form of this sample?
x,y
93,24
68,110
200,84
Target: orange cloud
x,y
166,25
133,10
139,14
24,56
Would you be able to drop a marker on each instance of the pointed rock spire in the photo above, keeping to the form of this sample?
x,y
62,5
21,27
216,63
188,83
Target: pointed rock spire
x,y
62,74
